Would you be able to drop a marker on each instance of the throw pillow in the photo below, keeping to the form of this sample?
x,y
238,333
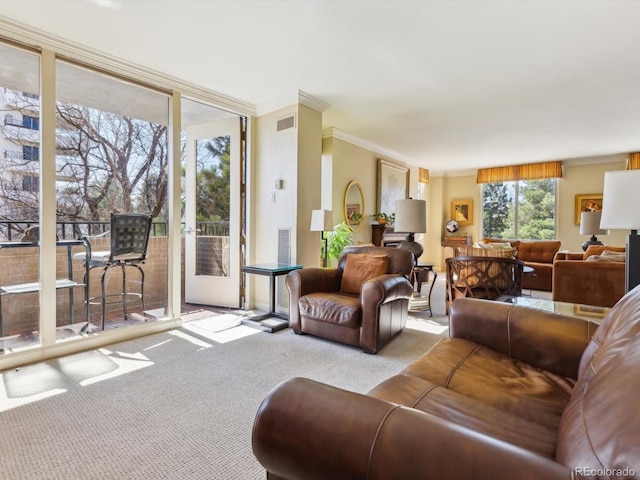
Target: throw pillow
x,y
360,267
609,256
598,249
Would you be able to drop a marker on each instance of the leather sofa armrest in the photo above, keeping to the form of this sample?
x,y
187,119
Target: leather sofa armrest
x,y
544,339
590,283
306,429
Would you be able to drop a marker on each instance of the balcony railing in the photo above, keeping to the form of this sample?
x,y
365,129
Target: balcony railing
x,y
12,230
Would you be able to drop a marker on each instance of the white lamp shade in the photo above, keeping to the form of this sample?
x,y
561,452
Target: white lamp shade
x,y
620,200
590,224
321,220
411,216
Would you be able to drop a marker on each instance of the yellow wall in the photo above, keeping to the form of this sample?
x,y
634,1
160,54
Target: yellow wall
x,y
351,162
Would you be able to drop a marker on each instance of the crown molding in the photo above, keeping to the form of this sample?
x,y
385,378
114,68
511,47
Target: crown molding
x,y
32,38
360,142
284,101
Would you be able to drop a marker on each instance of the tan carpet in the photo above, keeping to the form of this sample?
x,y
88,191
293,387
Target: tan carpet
x,y
175,405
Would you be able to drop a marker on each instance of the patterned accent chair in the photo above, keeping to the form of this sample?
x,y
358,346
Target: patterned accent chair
x,y
483,277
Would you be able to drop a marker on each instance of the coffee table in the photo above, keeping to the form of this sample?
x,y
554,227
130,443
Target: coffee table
x,y
593,313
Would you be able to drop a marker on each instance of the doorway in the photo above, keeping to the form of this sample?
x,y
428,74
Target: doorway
x,y
213,162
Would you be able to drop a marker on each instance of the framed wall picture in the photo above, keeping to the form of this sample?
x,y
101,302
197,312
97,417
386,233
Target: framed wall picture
x,y
393,184
587,202
462,211
590,311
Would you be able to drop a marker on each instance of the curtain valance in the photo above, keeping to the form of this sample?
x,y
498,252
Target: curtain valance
x,y
423,175
529,171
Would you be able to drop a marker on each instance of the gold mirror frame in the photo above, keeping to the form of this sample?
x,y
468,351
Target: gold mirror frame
x,y
351,209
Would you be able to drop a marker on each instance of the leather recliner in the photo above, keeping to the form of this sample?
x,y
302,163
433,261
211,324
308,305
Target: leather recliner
x,y
370,319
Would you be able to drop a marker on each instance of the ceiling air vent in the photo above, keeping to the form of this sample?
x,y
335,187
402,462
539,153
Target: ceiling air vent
x,y
286,122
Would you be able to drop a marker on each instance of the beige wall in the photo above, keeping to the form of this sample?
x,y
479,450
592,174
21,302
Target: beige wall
x,y
346,161
585,175
293,156
343,162
581,179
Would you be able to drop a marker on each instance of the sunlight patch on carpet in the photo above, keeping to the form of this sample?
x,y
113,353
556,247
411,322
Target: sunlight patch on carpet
x,y
427,325
220,328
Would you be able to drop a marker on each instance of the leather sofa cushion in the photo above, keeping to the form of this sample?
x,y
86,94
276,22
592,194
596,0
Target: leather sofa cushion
x,y
492,378
361,267
332,307
456,407
599,249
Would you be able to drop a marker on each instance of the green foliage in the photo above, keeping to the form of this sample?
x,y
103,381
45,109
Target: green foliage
x,y
389,218
535,210
213,181
495,210
337,239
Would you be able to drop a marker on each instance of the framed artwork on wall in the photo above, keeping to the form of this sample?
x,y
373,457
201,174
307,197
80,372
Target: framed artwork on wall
x,y
393,184
587,202
462,211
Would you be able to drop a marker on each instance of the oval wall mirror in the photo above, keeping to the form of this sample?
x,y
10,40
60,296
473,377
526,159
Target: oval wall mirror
x,y
354,206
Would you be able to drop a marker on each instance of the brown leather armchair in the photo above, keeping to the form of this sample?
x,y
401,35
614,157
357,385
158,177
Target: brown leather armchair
x,y
369,317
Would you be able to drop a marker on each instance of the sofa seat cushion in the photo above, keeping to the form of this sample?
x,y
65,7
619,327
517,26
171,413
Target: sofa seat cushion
x,y
465,410
332,307
495,379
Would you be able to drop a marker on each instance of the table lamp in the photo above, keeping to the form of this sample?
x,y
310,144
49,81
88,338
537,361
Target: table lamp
x,y
321,221
620,200
590,225
411,218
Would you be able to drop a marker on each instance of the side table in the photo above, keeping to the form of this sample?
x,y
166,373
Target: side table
x,y
420,275
272,321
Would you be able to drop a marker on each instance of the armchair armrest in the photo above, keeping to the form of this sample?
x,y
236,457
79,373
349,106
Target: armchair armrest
x,y
305,429
546,340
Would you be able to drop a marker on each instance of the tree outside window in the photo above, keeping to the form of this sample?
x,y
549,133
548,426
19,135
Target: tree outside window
x,y
523,209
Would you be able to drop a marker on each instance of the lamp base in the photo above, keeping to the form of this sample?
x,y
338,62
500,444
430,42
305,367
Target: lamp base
x,y
414,247
592,241
632,265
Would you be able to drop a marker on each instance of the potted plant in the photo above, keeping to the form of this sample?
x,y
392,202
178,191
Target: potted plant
x,y
382,218
337,239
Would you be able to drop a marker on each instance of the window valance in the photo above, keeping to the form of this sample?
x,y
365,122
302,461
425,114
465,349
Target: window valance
x,y
529,171
633,162
423,175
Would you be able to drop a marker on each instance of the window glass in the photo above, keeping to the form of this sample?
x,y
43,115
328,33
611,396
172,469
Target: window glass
x,y
523,209
19,197
111,160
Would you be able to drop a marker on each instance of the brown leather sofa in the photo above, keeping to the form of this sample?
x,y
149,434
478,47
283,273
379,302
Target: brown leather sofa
x,y
576,280
538,254
514,393
368,314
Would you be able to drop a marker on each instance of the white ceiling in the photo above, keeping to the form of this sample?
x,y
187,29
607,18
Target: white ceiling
x,y
447,85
